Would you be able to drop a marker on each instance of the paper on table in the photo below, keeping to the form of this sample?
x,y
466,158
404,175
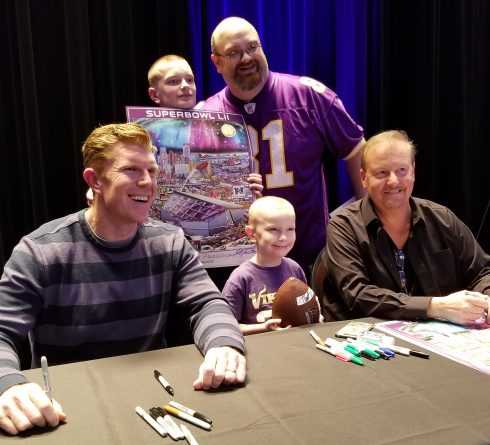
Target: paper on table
x,y
469,345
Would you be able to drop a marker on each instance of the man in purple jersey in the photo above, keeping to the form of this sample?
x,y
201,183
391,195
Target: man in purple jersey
x,y
294,123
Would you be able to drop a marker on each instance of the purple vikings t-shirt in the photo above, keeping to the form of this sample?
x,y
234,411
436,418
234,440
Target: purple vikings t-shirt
x,y
293,123
251,289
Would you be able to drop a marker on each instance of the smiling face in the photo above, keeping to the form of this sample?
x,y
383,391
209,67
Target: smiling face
x,y
125,188
173,85
272,225
389,175
247,76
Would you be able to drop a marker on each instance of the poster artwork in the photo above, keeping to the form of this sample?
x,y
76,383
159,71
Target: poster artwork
x,y
204,158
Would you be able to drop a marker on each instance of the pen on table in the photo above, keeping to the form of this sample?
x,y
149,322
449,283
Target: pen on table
x,y
349,348
341,355
369,349
341,348
156,426
418,354
382,354
407,351
390,353
331,352
366,351
400,350
173,431
184,416
163,423
344,336
171,421
346,355
352,349
47,382
316,338
188,435
361,344
163,382
380,348
191,412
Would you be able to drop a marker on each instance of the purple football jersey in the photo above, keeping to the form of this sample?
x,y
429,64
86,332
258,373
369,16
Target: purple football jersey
x,y
293,123
251,289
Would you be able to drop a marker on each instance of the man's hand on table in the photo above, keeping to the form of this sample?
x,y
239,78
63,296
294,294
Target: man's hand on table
x,y
24,406
462,307
221,365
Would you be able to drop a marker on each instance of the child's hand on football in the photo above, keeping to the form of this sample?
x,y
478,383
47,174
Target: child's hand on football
x,y
274,324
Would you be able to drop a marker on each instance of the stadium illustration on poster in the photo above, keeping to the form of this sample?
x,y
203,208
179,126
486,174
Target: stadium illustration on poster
x,y
204,158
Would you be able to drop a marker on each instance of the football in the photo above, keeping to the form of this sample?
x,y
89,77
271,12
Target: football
x,y
295,304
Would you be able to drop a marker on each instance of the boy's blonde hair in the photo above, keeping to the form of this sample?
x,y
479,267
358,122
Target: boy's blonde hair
x,y
154,73
265,206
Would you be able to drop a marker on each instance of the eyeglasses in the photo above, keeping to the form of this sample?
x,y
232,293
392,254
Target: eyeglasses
x,y
400,264
237,55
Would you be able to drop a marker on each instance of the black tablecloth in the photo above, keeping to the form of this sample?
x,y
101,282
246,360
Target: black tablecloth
x,y
294,394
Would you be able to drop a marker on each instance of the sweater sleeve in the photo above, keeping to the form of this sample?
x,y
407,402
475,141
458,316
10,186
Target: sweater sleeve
x,y
212,321
19,304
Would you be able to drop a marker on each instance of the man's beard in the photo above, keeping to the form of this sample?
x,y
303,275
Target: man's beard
x,y
247,82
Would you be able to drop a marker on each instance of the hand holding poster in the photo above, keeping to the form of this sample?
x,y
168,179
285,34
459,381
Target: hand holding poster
x,y
204,158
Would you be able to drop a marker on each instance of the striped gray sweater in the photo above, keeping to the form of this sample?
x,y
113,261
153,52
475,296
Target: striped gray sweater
x,y
83,300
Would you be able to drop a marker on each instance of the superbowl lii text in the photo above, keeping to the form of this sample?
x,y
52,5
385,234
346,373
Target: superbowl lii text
x,y
187,114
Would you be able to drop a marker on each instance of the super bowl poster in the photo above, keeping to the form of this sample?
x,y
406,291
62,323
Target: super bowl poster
x,y
204,158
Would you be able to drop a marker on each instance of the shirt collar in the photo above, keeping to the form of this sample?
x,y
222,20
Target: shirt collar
x,y
263,92
370,217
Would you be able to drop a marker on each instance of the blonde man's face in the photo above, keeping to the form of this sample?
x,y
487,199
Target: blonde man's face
x,y
126,187
390,175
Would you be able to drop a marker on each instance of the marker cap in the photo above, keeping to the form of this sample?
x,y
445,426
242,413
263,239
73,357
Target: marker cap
x,y
357,360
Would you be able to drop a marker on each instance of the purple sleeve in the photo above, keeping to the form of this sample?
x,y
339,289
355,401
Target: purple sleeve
x,y
233,292
342,132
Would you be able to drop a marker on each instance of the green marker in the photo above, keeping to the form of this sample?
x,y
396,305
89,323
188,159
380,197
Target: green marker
x,y
353,358
370,352
357,360
364,348
353,350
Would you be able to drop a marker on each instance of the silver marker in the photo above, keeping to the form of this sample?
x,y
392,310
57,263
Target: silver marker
x,y
46,381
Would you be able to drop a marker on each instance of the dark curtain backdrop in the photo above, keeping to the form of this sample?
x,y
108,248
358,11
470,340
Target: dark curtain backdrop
x,y
67,66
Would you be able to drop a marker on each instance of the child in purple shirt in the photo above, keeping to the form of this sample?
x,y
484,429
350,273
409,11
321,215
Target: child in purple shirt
x,y
252,286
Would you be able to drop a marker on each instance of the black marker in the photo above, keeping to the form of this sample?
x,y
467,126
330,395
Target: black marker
x,y
418,354
407,351
191,412
148,419
163,382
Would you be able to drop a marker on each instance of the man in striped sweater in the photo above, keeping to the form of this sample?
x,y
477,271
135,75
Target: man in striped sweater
x,y
99,283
